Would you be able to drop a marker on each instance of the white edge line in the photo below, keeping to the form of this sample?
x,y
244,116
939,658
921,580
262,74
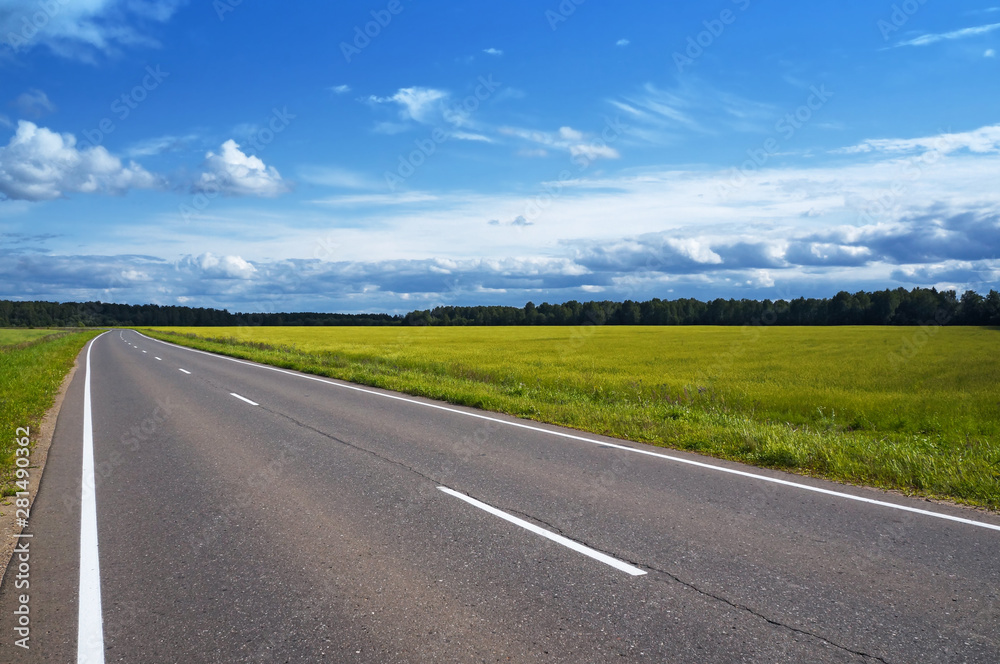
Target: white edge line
x,y
185,371
561,434
157,358
559,539
252,403
90,628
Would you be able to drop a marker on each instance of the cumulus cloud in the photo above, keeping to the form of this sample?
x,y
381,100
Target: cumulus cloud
x,y
33,103
302,284
222,267
39,164
657,252
776,232
340,89
807,253
231,172
932,236
493,51
80,28
651,265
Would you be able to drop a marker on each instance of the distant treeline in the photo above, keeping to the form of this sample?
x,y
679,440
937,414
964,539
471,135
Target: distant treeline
x,y
920,306
104,314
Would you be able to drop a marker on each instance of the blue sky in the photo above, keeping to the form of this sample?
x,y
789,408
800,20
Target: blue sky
x,y
395,155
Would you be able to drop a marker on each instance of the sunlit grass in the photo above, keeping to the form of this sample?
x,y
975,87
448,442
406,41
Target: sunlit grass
x,y
915,409
13,336
33,363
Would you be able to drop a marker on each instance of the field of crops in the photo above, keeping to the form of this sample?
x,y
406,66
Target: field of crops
x,y
33,363
909,408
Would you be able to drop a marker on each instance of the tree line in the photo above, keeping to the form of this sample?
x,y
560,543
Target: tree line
x,y
920,306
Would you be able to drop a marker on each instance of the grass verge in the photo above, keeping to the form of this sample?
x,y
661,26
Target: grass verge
x,y
33,364
880,407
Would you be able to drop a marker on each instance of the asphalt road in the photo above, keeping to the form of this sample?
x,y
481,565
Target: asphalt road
x,y
245,514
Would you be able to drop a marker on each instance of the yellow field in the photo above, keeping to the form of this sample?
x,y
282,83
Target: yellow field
x,y
912,408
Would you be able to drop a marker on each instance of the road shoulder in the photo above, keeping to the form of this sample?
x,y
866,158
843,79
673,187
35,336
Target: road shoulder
x,y
9,530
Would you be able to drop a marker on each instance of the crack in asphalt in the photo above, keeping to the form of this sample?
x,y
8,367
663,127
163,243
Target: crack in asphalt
x,y
761,616
698,590
353,446
555,528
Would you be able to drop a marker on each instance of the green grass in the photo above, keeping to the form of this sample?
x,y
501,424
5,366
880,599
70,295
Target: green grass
x,y
17,336
33,363
906,408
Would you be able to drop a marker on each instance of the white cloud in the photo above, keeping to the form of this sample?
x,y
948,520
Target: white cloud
x,y
470,136
573,141
990,53
418,104
79,28
224,267
622,42
234,173
34,103
430,107
570,134
982,140
135,275
593,151
340,89
39,164
493,51
883,220
660,115
925,40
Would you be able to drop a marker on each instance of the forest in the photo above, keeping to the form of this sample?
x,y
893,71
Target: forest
x,y
919,306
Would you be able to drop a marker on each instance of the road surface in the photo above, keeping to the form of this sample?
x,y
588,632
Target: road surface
x,y
240,513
